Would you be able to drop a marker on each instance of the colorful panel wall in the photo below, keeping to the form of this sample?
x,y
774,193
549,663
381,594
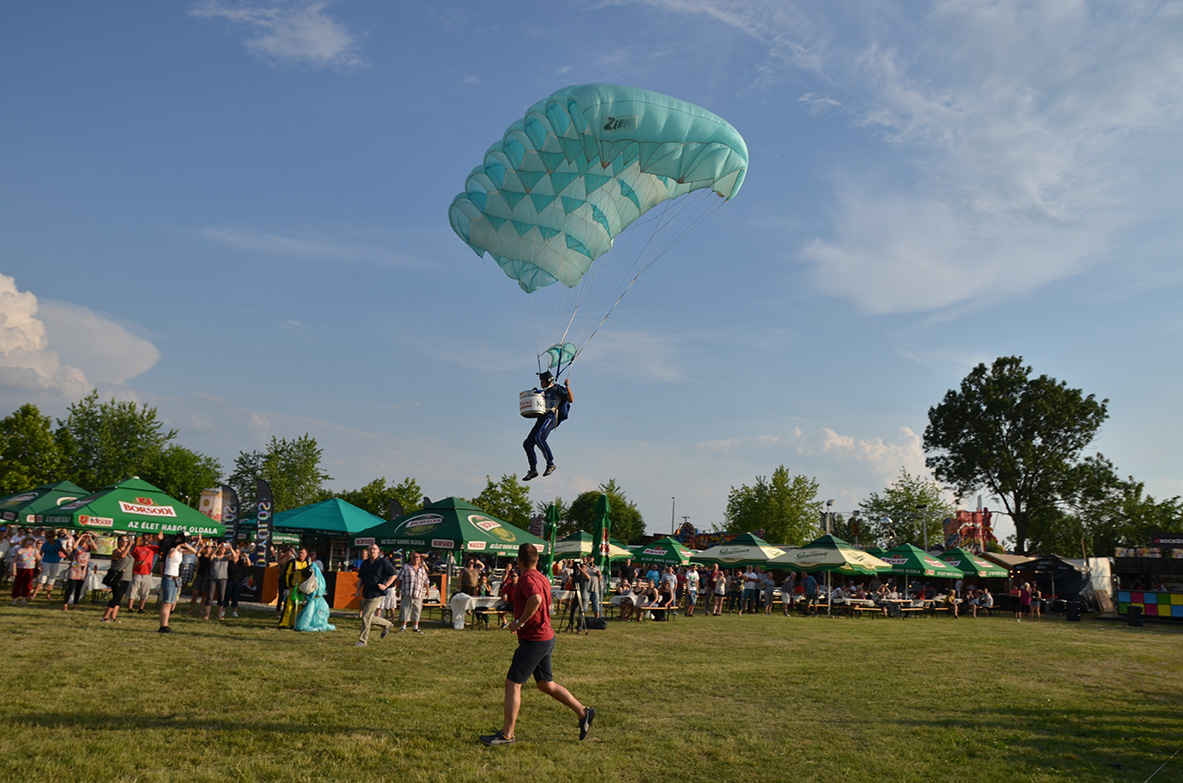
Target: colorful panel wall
x,y
1153,604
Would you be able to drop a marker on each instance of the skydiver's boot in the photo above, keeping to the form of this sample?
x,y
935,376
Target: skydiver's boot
x,y
530,474
550,468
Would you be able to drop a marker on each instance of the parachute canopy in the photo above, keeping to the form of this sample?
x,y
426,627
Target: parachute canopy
x,y
559,357
579,168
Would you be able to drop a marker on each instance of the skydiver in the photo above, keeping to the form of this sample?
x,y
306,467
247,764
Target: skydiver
x,y
557,399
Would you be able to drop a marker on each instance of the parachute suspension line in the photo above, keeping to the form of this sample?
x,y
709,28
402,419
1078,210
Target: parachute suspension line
x,y
664,220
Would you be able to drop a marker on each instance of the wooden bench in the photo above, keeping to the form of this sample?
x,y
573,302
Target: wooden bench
x,y
859,611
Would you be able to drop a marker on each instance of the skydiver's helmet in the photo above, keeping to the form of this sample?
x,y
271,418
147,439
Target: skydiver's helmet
x,y
545,377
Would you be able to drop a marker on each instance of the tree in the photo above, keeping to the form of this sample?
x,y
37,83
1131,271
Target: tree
x,y
627,523
182,473
508,500
103,443
1110,512
786,508
898,516
1018,437
566,526
29,455
291,467
375,497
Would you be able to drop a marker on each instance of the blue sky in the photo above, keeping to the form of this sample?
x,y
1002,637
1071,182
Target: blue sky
x,y
237,212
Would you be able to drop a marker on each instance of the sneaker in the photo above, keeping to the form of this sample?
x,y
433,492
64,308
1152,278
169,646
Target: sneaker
x,y
496,739
385,631
550,468
585,722
416,630
530,474
236,613
165,629
139,611
403,629
360,644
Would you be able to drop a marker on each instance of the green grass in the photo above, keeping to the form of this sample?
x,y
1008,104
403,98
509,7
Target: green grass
x,y
721,699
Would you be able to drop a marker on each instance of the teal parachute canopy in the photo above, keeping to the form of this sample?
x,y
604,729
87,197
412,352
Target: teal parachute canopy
x,y
559,357
580,167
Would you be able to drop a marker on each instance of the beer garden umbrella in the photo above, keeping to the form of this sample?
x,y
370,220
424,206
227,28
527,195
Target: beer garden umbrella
x,y
831,555
908,560
29,508
450,524
581,543
552,523
744,550
973,565
602,534
133,506
333,518
664,551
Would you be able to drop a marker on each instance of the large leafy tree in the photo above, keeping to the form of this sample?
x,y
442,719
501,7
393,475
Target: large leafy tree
x,y
183,473
103,443
1017,436
507,499
375,497
627,523
291,467
900,513
785,507
566,526
29,455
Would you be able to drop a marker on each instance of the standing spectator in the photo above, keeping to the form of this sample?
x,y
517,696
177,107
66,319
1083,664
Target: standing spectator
x,y
313,559
1036,601
536,641
769,585
201,578
143,555
720,591
595,588
578,604
1023,606
218,579
412,588
237,570
24,564
736,584
470,577
122,563
79,566
788,591
53,552
170,583
375,577
751,589
692,580
810,595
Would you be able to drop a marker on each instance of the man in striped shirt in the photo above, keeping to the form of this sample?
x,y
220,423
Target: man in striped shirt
x,y
412,588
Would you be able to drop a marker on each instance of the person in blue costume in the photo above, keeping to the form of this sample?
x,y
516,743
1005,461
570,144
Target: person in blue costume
x,y
558,399
314,615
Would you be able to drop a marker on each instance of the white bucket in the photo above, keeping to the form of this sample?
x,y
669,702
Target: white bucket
x,y
531,404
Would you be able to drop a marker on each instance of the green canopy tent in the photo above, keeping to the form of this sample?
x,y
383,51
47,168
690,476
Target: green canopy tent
x,y
972,565
664,551
580,544
829,554
29,508
133,506
247,528
334,518
744,550
451,525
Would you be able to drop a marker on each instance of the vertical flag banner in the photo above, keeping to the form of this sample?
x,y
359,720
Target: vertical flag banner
x,y
263,514
230,511
396,509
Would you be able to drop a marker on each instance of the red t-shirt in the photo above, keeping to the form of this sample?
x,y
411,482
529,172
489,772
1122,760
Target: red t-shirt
x,y
537,628
143,555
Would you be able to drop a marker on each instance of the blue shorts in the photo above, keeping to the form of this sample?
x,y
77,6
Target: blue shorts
x,y
532,658
170,588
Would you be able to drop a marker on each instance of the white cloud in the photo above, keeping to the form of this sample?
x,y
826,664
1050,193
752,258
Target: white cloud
x,y
52,351
298,32
26,361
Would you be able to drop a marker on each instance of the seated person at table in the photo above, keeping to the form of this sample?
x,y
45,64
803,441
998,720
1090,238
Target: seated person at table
x,y
628,600
647,596
665,599
985,602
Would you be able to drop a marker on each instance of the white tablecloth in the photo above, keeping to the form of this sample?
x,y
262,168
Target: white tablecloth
x,y
462,603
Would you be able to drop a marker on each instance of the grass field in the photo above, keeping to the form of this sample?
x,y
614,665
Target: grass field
x,y
740,699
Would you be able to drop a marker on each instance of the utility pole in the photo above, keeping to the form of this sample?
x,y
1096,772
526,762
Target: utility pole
x,y
923,509
673,505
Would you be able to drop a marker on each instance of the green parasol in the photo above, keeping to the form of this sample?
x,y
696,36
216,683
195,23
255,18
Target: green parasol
x,y
744,550
450,524
29,508
581,543
830,554
973,565
133,506
552,524
908,560
665,551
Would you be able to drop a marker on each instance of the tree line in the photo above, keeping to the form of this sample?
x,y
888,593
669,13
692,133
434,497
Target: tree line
x,y
1018,437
